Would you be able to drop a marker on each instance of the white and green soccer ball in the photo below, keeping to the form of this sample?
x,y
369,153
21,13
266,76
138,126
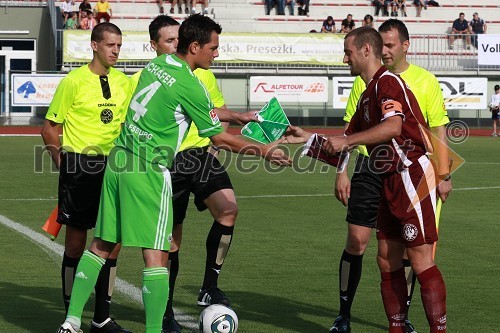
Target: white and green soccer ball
x,y
218,318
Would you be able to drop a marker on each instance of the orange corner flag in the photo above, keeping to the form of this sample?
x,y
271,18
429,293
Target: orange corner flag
x,y
51,226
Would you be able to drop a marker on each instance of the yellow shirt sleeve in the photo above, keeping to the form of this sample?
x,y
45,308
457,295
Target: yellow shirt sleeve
x,y
208,79
437,115
358,86
62,101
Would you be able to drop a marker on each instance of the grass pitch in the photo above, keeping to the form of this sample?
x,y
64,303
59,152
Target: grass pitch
x,y
281,271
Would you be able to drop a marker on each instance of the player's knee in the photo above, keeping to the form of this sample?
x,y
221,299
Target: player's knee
x,y
356,245
228,216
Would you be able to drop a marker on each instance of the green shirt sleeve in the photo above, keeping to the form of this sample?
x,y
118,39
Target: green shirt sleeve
x,y
358,86
62,101
200,109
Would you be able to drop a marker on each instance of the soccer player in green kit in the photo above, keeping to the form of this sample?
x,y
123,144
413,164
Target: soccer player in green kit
x,y
136,199
90,105
196,170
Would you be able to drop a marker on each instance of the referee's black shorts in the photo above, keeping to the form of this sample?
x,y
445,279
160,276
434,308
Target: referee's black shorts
x,y
199,172
80,182
363,203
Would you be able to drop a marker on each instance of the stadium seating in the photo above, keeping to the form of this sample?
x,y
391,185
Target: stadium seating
x,y
249,15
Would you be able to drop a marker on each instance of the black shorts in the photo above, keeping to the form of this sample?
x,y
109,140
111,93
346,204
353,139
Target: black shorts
x,y
199,172
80,181
363,203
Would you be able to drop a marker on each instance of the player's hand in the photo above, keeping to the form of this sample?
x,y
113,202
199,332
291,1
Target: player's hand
x,y
336,144
295,134
342,187
277,156
246,117
444,189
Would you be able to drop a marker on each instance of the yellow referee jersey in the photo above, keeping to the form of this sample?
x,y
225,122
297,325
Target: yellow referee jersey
x,y
193,140
90,121
424,86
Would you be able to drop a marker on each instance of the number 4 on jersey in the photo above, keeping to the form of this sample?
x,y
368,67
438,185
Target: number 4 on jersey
x,y
140,108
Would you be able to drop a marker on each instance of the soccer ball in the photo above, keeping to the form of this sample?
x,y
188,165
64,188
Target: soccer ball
x,y
218,318
493,105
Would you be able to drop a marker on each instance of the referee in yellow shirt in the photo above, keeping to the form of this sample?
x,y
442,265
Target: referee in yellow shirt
x,y
90,105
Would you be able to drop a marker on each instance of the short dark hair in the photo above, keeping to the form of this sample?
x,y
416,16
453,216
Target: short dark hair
x,y
98,31
196,28
368,16
396,25
497,87
161,21
462,13
329,18
89,12
367,35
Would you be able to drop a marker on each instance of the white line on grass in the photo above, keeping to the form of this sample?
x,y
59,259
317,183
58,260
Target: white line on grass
x,y
130,291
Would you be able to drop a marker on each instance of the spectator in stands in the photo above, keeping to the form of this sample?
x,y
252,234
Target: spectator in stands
x,y
477,27
304,7
84,7
88,22
205,7
347,24
368,21
291,6
66,10
494,109
72,22
460,28
328,25
187,5
397,5
387,6
102,10
280,4
419,4
379,4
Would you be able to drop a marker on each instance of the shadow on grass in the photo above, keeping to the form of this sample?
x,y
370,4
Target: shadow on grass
x,y
280,312
41,309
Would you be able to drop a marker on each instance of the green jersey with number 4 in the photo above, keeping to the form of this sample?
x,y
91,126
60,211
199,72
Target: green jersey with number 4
x,y
167,98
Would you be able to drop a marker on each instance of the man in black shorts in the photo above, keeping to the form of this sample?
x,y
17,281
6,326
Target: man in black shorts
x,y
90,105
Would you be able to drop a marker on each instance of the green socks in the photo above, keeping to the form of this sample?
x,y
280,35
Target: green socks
x,y
154,296
85,278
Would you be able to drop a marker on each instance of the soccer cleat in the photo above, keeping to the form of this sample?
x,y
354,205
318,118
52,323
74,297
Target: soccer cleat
x,y
67,328
193,10
409,327
494,134
205,12
171,10
170,325
186,10
341,324
111,326
212,295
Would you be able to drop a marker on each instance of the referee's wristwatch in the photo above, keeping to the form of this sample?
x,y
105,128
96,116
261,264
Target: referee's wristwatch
x,y
446,177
